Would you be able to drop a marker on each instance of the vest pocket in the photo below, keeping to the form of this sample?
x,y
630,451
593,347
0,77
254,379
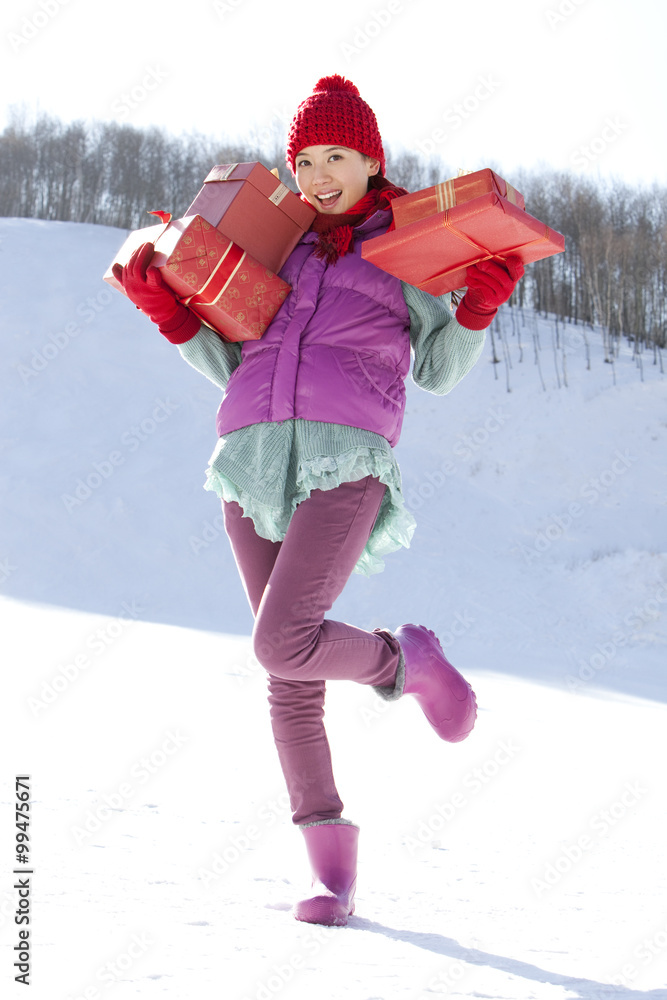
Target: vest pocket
x,y
382,379
249,391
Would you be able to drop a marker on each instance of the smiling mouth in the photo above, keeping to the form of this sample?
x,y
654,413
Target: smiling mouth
x,y
330,198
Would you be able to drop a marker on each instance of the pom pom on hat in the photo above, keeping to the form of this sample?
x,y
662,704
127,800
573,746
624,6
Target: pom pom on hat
x,y
334,114
335,82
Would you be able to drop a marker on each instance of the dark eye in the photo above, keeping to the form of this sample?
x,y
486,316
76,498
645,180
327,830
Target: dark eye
x,y
302,163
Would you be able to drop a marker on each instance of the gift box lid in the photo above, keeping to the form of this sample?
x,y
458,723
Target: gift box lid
x,y
438,198
234,175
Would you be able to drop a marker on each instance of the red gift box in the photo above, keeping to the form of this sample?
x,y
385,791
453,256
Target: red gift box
x,y
218,280
252,207
227,288
412,207
434,253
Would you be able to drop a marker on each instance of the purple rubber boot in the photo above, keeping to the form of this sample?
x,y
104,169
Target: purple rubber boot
x,y
332,852
445,697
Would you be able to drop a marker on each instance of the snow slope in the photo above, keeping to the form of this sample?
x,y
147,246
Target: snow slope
x,y
526,862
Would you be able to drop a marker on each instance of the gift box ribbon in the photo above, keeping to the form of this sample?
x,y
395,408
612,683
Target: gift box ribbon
x,y
164,217
445,194
485,254
220,277
510,193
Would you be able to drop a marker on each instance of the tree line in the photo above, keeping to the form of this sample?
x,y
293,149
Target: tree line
x,y
613,273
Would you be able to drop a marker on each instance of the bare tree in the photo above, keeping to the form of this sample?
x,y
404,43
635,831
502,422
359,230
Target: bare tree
x,y
613,272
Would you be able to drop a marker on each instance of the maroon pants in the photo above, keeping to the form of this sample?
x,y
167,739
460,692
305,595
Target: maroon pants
x,y
291,585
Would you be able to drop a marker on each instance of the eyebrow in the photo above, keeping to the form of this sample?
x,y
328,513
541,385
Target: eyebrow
x,y
329,149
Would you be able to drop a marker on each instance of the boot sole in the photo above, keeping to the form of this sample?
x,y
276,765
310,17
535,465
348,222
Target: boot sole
x,y
323,910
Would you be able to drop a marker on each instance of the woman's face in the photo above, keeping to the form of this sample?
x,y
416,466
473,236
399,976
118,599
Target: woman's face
x,y
333,178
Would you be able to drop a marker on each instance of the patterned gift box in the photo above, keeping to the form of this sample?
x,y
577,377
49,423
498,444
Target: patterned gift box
x,y
219,281
432,200
227,288
434,253
252,207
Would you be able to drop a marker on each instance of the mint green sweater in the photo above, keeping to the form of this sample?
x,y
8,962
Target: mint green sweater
x,y
269,468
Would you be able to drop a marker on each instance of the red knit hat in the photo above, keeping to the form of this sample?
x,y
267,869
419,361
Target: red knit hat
x,y
334,113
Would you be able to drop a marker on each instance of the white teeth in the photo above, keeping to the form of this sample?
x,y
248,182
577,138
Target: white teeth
x,y
326,197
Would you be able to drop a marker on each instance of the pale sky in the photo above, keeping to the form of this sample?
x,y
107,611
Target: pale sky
x,y
573,84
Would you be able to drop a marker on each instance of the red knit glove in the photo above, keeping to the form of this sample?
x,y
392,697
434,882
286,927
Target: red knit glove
x,y
489,285
145,287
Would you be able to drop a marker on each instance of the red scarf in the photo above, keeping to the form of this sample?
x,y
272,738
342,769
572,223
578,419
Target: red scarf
x,y
336,231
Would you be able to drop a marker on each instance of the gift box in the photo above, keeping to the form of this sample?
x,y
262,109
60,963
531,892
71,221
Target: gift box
x,y
434,253
217,279
419,205
252,207
222,284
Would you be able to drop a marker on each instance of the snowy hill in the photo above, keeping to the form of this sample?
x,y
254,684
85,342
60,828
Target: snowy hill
x,y
526,862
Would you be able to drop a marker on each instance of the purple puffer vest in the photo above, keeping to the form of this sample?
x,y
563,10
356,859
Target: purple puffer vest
x,y
337,351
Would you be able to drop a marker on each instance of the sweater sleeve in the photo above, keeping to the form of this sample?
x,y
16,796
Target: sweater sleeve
x,y
211,355
444,350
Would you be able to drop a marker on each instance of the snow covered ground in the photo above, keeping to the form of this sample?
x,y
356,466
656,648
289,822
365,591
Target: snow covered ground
x,y
527,862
